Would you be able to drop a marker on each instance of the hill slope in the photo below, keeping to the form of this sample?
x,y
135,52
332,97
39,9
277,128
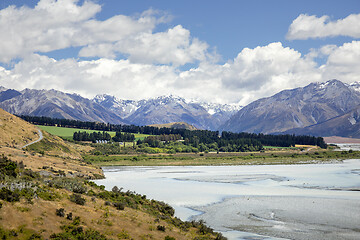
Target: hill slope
x,y
51,154
14,132
44,194
346,125
177,125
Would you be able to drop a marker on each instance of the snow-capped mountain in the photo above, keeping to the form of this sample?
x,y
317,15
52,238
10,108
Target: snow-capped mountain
x,y
355,86
296,108
123,108
166,109
214,108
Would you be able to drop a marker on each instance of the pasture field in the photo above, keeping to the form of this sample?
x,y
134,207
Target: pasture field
x,y
235,158
68,133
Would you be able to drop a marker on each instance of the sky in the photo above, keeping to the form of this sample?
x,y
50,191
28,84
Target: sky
x,y
230,51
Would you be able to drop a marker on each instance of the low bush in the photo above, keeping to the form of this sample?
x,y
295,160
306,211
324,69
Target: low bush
x,y
9,196
160,228
76,198
74,185
60,212
119,206
76,232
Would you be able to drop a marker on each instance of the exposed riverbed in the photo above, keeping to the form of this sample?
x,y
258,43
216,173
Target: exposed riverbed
x,y
313,201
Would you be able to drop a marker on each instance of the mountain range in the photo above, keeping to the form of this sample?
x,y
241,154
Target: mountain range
x,y
321,109
55,104
109,109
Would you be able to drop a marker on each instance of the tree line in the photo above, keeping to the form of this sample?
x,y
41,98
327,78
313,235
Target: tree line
x,y
85,136
94,136
225,140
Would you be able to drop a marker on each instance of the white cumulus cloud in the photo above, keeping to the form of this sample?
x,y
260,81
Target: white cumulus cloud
x,y
253,74
55,25
343,63
175,46
305,27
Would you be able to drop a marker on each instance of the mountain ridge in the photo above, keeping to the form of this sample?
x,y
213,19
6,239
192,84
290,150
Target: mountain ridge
x,y
295,108
57,104
168,108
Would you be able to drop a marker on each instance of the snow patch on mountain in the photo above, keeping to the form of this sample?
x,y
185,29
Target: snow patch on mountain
x,y
123,108
355,86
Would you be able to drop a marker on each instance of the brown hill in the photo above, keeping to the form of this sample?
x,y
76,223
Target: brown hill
x,y
15,132
37,201
177,125
51,155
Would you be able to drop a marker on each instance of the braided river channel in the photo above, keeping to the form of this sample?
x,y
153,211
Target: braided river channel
x,y
310,201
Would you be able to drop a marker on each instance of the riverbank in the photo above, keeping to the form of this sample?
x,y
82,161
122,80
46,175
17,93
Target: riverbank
x,y
269,157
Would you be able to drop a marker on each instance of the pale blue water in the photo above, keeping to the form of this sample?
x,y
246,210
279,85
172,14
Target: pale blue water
x,y
230,197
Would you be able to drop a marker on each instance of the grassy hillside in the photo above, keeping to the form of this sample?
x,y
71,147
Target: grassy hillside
x,y
15,132
45,194
43,207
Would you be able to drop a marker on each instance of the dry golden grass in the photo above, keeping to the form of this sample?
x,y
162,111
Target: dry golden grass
x,y
57,155
15,132
41,217
38,162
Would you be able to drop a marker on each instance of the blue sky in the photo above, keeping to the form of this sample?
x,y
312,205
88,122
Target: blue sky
x,y
228,52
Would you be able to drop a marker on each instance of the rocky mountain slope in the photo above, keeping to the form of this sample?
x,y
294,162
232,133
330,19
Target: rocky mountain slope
x,y
296,108
56,104
346,125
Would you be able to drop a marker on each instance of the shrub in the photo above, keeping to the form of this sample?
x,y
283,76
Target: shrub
x,y
160,228
76,198
35,236
7,167
169,238
72,184
119,206
29,174
69,216
47,194
60,212
123,235
8,195
75,231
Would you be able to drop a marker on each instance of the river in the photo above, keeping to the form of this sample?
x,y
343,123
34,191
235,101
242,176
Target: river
x,y
312,201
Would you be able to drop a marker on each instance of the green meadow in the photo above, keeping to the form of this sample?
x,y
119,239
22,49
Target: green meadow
x,y
67,133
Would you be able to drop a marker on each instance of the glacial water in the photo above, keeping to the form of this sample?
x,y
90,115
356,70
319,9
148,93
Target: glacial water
x,y
313,201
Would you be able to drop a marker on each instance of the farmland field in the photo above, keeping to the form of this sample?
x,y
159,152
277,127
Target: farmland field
x,y
67,133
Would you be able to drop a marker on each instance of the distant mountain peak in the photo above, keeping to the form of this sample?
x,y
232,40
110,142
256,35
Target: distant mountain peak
x,y
355,86
2,89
